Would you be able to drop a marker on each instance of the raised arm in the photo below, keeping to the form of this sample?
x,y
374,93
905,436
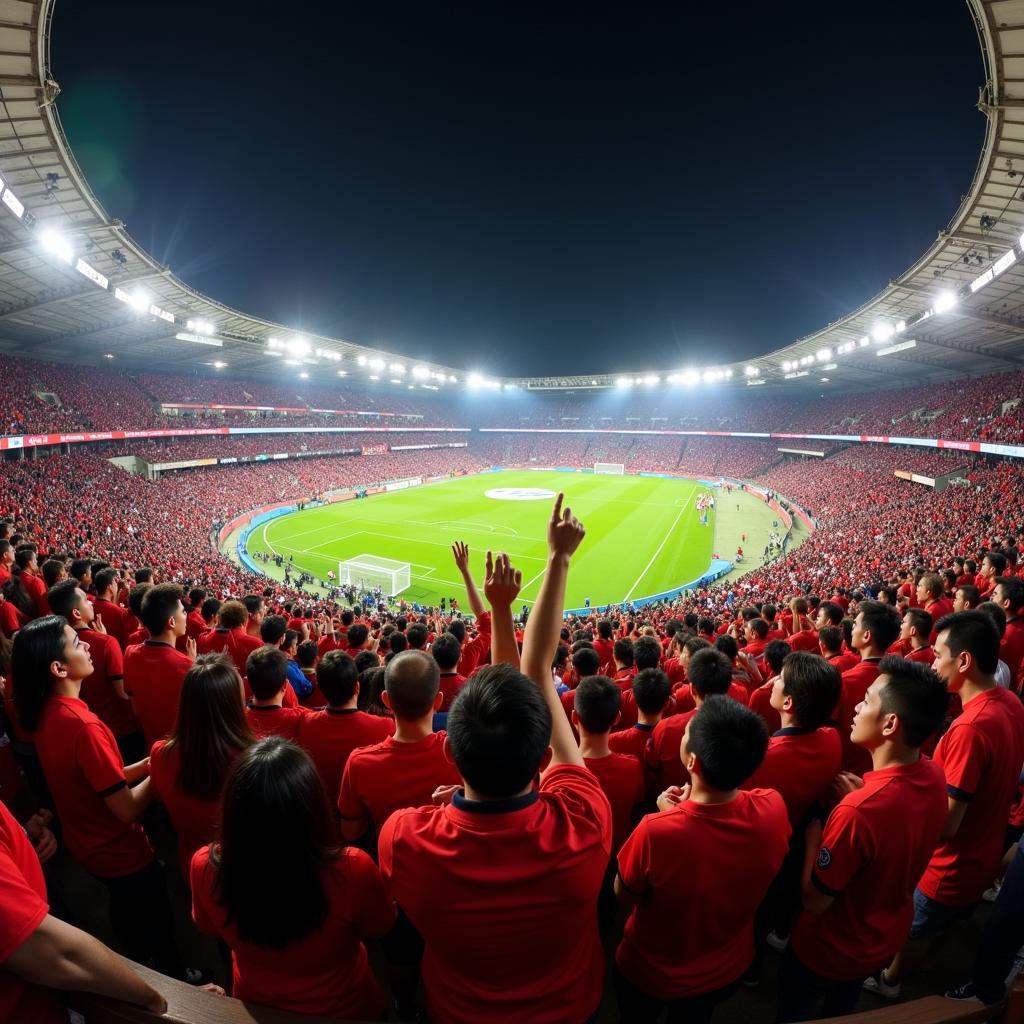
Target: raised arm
x,y
565,533
460,551
501,588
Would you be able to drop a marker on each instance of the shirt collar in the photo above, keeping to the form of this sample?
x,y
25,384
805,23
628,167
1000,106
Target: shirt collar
x,y
157,643
514,803
644,727
792,730
340,711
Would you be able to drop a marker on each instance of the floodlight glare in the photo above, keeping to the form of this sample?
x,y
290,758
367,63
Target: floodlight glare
x,y
945,301
219,364
420,372
298,346
397,368
56,244
623,382
651,379
377,364
882,332
474,380
691,377
824,355
751,371
361,360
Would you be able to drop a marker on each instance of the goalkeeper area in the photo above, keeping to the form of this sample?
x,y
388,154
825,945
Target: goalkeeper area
x,y
371,571
644,534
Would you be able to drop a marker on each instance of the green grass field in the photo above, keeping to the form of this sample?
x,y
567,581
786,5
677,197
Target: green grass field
x,y
643,534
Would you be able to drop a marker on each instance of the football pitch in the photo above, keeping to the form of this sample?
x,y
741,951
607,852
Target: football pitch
x,y
644,535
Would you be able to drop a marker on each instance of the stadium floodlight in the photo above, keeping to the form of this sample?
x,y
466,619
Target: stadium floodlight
x,y
754,383
397,368
361,360
691,377
652,379
108,355
90,272
200,327
298,346
474,380
293,362
420,372
343,373
864,342
799,373
374,376
882,332
273,344
982,279
710,376
830,366
138,299
751,371
623,382
13,203
304,375
452,379
728,374
377,364
593,383
56,245
900,347
945,301
1005,261
901,326
396,380
824,380
824,355
219,364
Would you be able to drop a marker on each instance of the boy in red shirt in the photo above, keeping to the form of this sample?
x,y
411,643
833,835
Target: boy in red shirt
x,y
775,655
650,697
916,632
502,881
690,935
115,618
859,871
447,652
981,756
331,734
155,670
267,673
230,636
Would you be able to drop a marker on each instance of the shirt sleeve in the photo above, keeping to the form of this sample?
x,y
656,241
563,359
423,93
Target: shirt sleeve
x,y
963,759
842,853
584,799
350,804
200,879
113,660
300,684
375,910
21,908
635,860
99,759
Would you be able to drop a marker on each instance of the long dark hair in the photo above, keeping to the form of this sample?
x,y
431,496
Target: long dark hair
x,y
37,645
16,594
275,813
211,727
371,686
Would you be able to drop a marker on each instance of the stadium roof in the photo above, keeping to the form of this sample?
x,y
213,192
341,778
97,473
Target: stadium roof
x,y
75,286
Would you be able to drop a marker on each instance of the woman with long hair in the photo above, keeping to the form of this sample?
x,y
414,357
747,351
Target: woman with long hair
x,y
293,906
98,799
188,770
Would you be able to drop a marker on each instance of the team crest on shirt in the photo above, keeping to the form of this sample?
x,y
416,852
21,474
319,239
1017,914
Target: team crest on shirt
x,y
824,857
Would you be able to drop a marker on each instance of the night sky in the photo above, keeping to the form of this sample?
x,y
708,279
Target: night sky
x,y
528,188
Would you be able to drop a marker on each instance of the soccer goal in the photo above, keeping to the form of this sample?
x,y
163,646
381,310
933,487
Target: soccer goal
x,y
370,571
610,468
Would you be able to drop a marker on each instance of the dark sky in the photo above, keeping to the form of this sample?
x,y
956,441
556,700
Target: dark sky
x,y
528,188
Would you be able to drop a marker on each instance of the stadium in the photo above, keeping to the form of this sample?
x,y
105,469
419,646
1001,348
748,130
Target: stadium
x,y
266,587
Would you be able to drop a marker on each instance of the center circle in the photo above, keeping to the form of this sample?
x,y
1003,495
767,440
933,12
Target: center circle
x,y
519,494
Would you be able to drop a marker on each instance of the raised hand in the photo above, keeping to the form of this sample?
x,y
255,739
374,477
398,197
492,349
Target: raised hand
x,y
443,794
673,796
460,552
190,648
502,582
565,531
97,624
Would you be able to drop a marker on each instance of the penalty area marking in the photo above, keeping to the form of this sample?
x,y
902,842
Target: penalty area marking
x,y
520,494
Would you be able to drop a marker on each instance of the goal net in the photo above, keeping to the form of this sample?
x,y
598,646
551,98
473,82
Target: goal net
x,y
371,571
610,468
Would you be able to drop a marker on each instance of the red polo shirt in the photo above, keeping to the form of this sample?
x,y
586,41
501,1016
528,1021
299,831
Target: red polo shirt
x,y
79,756
856,681
875,845
115,619
379,780
98,689
503,893
685,702
12,619
234,642
36,589
451,683
845,660
622,779
662,755
22,909
981,756
275,720
332,734
475,651
692,930
805,640
800,765
1011,648
924,655
632,741
326,973
153,674
761,704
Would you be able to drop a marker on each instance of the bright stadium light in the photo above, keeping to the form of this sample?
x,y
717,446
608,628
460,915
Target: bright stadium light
x,y
298,346
420,372
864,342
304,375
343,373
824,355
475,380
139,301
56,245
751,371
945,301
829,366
398,368
651,379
377,364
396,380
452,379
623,382
219,364
882,332
374,376
361,360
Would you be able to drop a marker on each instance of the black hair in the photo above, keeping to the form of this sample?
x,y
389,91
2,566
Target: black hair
x,y
446,651
920,620
365,660
457,628
266,669
399,642
759,627
275,812
647,652
833,612
972,595
80,567
273,629
371,686
972,631
144,575
651,690
597,701
709,672
996,613
831,639
307,653
729,740
159,605
37,645
209,609
587,662
1013,590
622,651
336,675
63,598
604,629
135,596
417,635
997,560
253,603
882,621
104,579
412,680
51,570
915,694
357,635
728,646
499,728
815,686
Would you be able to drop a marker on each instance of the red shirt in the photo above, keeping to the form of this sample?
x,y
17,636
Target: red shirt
x,y
875,845
981,756
605,650
332,734
800,765
805,640
83,766
663,751
1011,648
328,643
761,704
12,619
685,702
675,670
504,895
327,973
856,681
622,779
925,655
197,822
153,674
275,720
474,651
845,660
98,688
195,625
451,683
632,741
36,589
22,909
692,930
379,780
235,642
114,620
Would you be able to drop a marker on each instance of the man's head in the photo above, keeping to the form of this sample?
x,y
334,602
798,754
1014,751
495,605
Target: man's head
x,y
25,557
273,629
967,596
446,651
357,635
646,653
775,655
68,600
412,682
756,629
144,575
254,608
105,582
967,648
162,612
266,670
904,705
651,690
336,675
993,565
622,652
1009,594
724,743
709,673
53,571
875,629
499,729
728,646
587,662
916,626
929,588
596,705
417,636
211,606
830,641
829,614
808,688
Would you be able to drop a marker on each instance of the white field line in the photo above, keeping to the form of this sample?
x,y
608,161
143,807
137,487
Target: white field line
x,y
657,552
266,540
529,583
